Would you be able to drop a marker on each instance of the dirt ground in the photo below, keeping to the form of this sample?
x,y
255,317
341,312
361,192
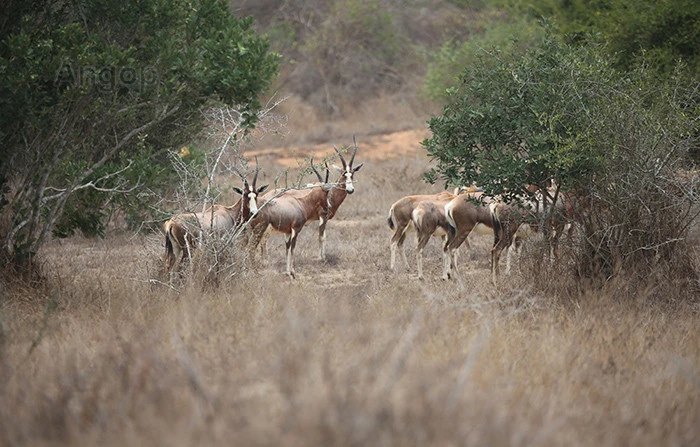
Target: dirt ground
x,y
371,148
393,168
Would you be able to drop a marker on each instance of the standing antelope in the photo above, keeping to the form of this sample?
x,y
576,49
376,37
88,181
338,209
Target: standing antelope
x,y
287,212
183,230
464,214
337,194
343,186
401,219
428,218
512,224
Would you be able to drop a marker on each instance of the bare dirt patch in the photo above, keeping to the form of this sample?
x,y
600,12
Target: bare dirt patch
x,y
370,147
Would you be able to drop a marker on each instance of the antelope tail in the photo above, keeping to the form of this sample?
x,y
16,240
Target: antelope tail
x,y
169,258
496,221
390,220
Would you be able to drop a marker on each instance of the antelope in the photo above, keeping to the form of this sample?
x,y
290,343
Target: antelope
x,y
400,219
336,196
184,229
428,218
513,224
463,216
287,212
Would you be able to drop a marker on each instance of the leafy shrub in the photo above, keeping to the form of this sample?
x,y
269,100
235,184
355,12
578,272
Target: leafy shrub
x,y
85,87
618,142
658,33
510,36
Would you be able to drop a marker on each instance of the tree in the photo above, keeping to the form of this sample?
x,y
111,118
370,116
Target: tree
x,y
653,32
508,34
341,52
618,141
90,90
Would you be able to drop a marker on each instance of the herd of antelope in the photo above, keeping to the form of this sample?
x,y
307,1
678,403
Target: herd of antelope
x,y
452,216
283,211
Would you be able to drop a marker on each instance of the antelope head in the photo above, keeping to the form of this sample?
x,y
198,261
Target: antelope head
x,y
347,170
250,192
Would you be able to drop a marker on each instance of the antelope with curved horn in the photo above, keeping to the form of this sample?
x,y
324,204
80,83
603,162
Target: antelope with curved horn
x,y
287,212
336,196
183,230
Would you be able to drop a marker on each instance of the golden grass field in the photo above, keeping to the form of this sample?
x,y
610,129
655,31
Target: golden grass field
x,y
348,354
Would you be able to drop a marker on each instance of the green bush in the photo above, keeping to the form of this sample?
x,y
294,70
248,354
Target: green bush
x,y
619,141
510,36
658,33
85,86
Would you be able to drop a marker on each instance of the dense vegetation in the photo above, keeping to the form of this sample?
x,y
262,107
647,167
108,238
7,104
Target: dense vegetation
x,y
95,93
655,32
619,143
612,117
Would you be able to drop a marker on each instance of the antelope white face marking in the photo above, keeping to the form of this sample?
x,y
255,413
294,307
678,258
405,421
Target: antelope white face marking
x,y
349,187
252,203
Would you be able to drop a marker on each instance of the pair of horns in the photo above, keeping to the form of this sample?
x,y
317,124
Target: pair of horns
x,y
320,179
255,178
342,160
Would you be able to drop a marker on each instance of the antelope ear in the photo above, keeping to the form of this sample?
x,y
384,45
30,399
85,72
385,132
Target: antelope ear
x,y
238,190
262,189
337,168
357,168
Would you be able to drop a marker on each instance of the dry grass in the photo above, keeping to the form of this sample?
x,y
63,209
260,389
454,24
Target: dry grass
x,y
349,354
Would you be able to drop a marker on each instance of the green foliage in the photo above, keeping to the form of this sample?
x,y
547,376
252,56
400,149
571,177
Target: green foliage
x,y
85,86
654,32
511,36
563,111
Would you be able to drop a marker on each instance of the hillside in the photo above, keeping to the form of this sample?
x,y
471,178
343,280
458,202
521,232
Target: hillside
x,y
355,67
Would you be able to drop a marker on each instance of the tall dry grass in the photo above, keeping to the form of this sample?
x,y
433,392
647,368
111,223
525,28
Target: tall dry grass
x,y
349,354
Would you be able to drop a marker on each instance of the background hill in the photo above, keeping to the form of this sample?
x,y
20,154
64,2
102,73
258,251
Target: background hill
x,y
377,66
358,67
